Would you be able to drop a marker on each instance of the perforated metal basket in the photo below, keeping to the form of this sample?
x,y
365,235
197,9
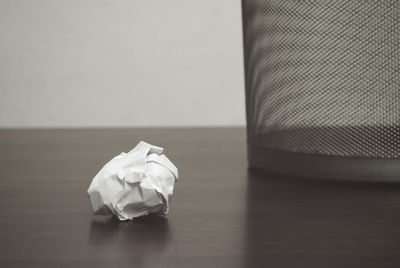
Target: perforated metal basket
x,y
323,87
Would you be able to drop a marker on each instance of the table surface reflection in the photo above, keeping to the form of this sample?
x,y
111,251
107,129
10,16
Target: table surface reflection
x,y
222,214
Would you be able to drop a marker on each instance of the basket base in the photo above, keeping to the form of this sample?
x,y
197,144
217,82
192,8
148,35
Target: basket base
x,y
324,166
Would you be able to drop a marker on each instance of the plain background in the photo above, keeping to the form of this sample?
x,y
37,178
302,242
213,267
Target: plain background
x,y
88,63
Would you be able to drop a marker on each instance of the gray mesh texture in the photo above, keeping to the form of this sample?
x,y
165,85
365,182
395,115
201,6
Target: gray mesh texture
x,y
323,77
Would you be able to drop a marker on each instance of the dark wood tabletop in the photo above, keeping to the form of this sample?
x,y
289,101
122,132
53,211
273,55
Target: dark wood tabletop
x,y
222,214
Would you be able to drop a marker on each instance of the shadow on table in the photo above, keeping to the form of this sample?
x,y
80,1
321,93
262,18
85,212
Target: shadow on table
x,y
294,222
127,241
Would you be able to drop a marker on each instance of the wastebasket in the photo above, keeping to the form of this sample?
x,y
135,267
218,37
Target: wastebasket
x,y
323,87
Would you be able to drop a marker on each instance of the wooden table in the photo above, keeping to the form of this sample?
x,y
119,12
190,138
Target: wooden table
x,y
222,214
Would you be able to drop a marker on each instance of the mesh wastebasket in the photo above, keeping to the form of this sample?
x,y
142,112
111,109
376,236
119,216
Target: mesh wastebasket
x,y
323,87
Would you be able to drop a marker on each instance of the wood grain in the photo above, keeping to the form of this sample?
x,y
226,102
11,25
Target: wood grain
x,y
222,214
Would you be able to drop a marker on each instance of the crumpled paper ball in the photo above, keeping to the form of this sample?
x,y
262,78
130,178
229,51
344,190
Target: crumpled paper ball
x,y
134,184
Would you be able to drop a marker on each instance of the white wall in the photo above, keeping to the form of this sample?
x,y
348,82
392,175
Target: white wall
x,y
121,63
